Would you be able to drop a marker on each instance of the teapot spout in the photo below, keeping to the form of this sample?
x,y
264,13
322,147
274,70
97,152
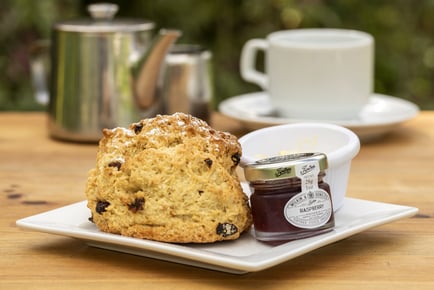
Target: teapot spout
x,y
146,74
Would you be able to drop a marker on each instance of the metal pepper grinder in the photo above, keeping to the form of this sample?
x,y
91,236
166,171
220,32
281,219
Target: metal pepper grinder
x,y
187,84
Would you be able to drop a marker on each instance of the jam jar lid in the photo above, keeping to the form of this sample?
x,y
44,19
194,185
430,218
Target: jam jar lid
x,y
280,167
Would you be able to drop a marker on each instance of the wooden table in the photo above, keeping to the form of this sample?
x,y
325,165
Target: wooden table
x,y
38,174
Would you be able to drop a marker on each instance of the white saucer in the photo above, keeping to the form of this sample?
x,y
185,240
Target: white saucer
x,y
378,117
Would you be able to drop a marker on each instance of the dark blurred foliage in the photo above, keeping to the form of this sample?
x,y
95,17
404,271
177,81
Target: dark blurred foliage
x,y
403,31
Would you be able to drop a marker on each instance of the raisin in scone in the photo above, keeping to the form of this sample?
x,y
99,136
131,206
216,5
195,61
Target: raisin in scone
x,y
170,178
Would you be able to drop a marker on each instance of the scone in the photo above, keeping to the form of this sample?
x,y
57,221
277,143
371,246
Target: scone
x,y
170,178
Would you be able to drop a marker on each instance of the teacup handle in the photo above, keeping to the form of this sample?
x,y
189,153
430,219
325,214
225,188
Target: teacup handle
x,y
248,59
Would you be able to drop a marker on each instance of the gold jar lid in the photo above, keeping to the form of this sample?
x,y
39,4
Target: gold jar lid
x,y
280,167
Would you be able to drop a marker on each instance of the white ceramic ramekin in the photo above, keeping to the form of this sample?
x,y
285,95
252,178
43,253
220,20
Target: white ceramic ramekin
x,y
338,143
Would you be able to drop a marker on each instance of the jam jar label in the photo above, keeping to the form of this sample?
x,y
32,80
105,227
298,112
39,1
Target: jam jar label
x,y
312,207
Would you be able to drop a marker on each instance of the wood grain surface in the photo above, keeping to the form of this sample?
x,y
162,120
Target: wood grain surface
x,y
38,174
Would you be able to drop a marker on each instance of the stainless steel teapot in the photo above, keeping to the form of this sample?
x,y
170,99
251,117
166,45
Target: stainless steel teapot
x,y
104,73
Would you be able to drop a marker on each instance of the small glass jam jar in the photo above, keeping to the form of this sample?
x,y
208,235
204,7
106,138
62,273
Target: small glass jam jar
x,y
290,199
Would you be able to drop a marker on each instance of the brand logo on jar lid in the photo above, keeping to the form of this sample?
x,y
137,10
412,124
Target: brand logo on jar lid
x,y
282,171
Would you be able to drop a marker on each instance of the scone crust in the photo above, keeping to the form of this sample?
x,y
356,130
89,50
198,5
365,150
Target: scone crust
x,y
170,178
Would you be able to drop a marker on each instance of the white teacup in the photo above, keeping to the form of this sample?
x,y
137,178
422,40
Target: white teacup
x,y
319,74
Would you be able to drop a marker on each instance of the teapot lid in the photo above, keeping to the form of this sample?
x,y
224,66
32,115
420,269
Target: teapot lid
x,y
103,21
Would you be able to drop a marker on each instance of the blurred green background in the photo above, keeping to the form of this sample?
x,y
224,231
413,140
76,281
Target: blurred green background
x,y
403,31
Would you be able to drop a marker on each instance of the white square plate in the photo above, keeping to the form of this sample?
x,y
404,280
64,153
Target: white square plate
x,y
243,255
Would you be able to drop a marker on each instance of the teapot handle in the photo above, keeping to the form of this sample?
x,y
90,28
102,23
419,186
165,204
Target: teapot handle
x,y
39,69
